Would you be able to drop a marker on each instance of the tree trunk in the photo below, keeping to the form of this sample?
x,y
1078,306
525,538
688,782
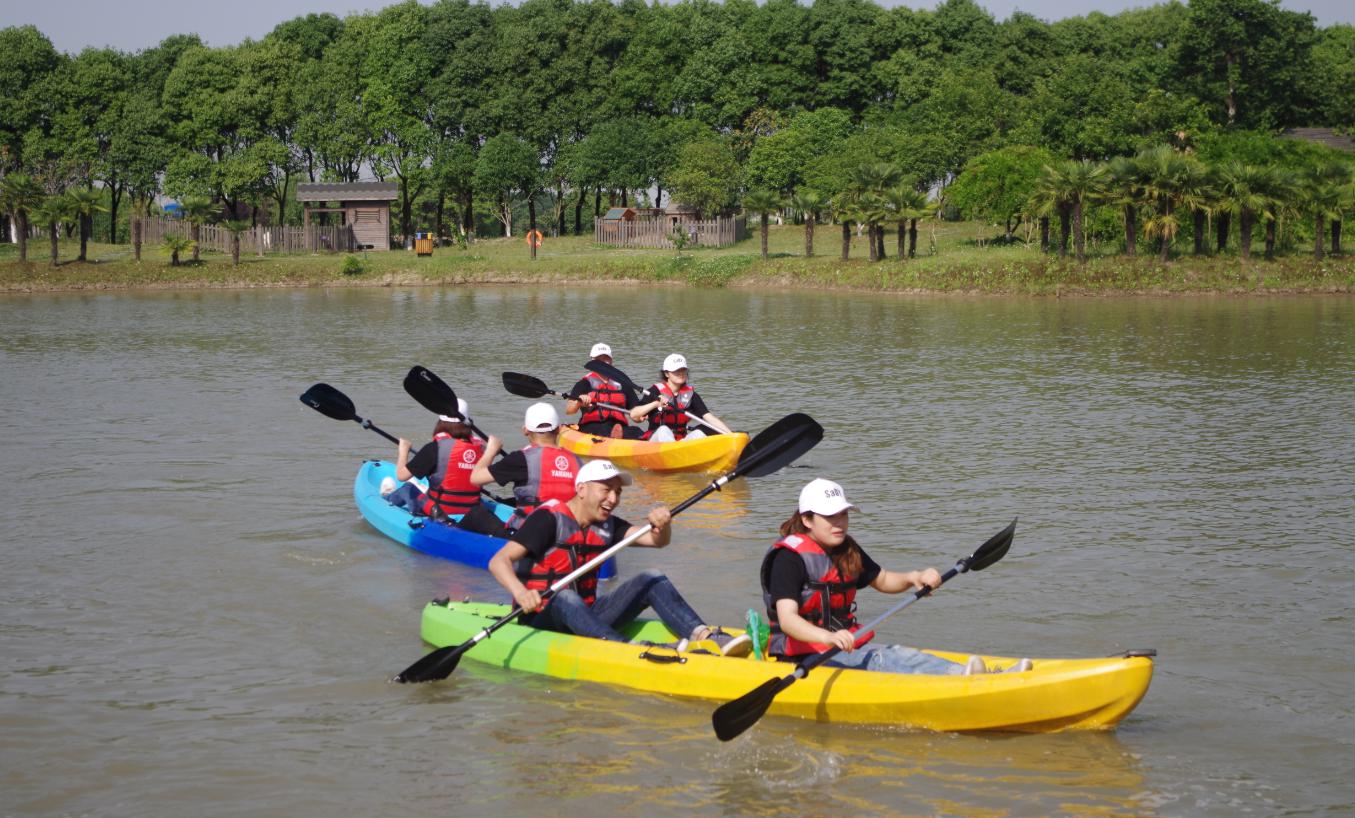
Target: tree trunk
x,y
235,248
1131,230
1200,229
597,202
136,236
1079,240
1221,230
194,234
406,216
912,237
809,235
872,253
1336,237
880,240
1244,226
468,214
531,225
23,236
1270,240
1164,246
437,218
764,235
658,196
902,240
1318,238
578,211
86,227
114,198
54,234
1044,234
846,240
1064,217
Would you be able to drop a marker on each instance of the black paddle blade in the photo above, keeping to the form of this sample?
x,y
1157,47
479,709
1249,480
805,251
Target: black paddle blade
x,y
606,370
993,550
437,665
779,444
431,392
329,402
732,718
524,386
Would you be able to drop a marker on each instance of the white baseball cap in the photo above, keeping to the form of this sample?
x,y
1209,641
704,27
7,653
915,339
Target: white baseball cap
x,y
541,417
674,362
463,413
597,471
600,349
824,497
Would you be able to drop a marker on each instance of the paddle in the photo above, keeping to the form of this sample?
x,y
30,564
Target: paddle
x,y
436,396
774,447
526,386
606,370
732,718
330,402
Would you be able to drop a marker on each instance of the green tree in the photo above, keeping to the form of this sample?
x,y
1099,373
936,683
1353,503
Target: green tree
x,y
706,176
84,203
20,195
763,203
1169,183
506,169
236,227
26,58
52,211
197,210
998,185
175,244
810,203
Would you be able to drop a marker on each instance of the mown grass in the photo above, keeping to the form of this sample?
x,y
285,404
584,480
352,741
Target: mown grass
x,y
952,257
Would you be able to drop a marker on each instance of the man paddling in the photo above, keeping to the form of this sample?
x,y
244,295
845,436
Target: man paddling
x,y
559,537
605,403
539,471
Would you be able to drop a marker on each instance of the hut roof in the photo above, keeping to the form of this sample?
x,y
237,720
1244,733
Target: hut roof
x,y
1323,136
347,192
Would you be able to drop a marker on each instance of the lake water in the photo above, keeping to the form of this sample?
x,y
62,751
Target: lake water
x,y
196,621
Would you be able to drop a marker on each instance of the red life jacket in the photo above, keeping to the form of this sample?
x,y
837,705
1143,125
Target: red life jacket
x,y
674,415
573,547
550,476
450,490
826,591
605,392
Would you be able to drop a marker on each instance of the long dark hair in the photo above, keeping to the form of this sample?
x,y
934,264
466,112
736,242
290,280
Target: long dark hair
x,y
455,428
846,557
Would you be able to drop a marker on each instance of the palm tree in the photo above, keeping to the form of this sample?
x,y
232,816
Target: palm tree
x,y
236,227
1345,182
1084,181
85,202
875,209
844,210
1321,189
173,244
870,181
197,210
19,195
1167,180
915,206
763,203
1243,190
52,212
809,202
1124,187
1050,197
1199,192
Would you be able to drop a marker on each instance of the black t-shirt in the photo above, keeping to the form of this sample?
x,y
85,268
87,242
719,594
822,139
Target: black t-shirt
x,y
425,461
583,387
537,533
788,575
511,468
696,407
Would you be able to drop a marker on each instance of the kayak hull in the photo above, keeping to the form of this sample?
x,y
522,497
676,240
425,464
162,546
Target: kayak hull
x,y
425,535
712,453
1056,695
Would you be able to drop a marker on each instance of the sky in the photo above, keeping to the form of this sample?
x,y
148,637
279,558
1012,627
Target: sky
x,y
132,25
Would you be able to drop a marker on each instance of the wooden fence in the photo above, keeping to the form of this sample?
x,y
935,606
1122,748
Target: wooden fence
x,y
257,240
720,232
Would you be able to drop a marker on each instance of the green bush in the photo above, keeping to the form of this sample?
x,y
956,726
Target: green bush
x,y
351,266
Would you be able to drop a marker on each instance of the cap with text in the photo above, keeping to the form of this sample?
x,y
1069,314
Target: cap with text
x,y
600,349
600,471
674,362
824,497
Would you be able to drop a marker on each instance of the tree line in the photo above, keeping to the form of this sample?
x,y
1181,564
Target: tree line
x,y
555,107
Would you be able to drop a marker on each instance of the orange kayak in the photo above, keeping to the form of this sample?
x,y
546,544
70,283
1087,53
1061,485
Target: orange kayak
x,y
713,453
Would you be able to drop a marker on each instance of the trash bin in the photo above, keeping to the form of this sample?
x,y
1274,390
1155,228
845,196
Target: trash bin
x,y
423,244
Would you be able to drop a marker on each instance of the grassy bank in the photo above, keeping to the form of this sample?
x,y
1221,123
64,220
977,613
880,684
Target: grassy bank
x,y
964,260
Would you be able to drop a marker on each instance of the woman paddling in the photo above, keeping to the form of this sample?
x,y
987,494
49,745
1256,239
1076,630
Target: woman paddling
x,y
671,403
447,462
809,582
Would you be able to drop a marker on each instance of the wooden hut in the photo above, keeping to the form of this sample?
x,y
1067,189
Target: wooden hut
x,y
365,207
609,225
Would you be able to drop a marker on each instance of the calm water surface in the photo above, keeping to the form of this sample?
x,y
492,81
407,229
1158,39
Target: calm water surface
x,y
195,620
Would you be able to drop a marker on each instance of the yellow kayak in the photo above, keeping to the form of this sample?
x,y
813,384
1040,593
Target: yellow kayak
x,y
1055,695
713,453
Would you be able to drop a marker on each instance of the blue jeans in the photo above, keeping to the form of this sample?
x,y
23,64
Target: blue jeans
x,y
895,659
408,497
566,612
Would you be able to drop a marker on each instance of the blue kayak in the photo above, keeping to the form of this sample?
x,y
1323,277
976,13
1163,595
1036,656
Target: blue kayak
x,y
429,536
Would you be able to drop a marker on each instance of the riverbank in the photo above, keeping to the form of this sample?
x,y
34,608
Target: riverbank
x,y
963,262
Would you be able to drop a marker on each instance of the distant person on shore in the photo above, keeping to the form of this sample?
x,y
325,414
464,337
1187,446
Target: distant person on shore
x,y
604,402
